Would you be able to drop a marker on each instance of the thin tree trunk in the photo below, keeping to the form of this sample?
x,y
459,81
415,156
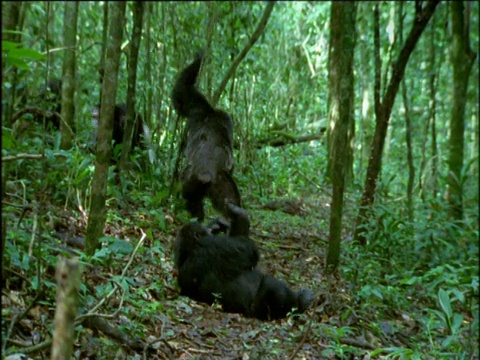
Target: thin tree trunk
x,y
365,133
179,132
10,19
411,167
383,110
11,22
462,61
148,108
341,81
130,119
212,20
97,213
67,124
433,111
101,67
408,132
148,64
68,277
430,123
233,49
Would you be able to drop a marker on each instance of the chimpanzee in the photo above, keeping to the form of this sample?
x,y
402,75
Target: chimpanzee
x,y
209,146
223,266
119,125
52,96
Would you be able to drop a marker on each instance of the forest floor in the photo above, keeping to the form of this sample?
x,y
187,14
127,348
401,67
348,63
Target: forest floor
x,y
147,307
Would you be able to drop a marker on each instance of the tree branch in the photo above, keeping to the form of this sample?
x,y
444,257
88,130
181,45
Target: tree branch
x,y
421,21
30,156
258,31
286,139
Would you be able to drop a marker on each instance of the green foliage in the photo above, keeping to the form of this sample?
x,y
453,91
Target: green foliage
x,y
14,55
8,141
114,247
425,271
429,268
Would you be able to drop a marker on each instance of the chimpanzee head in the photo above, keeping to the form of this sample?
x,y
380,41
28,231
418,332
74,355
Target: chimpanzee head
x,y
186,241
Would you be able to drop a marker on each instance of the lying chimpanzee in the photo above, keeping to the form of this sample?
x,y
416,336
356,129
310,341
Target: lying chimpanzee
x,y
209,146
224,265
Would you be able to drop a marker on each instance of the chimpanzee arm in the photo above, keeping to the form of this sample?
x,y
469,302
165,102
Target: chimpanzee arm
x,y
240,225
187,100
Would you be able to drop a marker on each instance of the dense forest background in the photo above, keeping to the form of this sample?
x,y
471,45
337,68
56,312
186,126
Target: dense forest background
x,y
356,140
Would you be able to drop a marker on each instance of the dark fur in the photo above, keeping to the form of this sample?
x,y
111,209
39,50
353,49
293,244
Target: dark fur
x,y
52,96
209,146
224,265
119,125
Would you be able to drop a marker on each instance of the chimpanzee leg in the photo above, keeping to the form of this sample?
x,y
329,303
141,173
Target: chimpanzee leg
x,y
193,192
224,190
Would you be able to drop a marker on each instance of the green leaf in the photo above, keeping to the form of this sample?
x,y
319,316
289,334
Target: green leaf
x,y
124,283
118,246
377,293
102,253
8,141
149,234
456,323
122,247
410,281
446,343
377,352
21,64
50,284
459,295
25,53
25,262
444,300
441,315
9,45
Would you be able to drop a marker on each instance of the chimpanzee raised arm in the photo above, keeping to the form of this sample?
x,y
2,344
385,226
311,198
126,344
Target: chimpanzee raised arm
x,y
187,100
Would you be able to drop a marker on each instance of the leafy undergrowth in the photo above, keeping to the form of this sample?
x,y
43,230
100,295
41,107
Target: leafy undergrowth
x,y
411,293
381,313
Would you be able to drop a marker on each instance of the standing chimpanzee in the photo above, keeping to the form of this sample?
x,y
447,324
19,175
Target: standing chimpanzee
x,y
209,146
225,265
119,125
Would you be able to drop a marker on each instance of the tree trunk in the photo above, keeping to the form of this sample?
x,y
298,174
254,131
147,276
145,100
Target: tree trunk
x,y
364,135
383,110
97,213
149,78
341,95
408,132
11,22
68,284
462,61
67,124
10,19
430,124
101,66
130,119
212,20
